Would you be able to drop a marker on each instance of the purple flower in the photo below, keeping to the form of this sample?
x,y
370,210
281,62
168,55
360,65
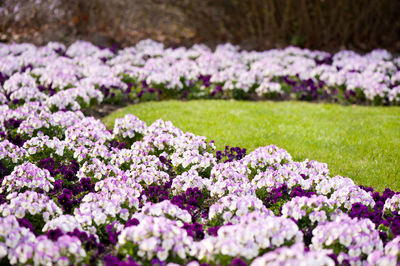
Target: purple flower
x,y
54,234
87,185
157,262
213,231
25,223
238,262
132,222
194,230
110,260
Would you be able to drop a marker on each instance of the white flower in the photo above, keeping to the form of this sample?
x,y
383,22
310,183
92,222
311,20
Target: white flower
x,y
3,250
100,218
148,245
162,255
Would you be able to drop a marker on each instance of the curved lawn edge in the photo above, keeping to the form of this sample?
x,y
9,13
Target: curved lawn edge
x,y
355,141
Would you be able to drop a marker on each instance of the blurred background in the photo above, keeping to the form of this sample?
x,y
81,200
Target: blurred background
x,y
328,25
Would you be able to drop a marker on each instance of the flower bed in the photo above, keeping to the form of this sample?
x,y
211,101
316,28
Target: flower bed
x,y
83,74
73,192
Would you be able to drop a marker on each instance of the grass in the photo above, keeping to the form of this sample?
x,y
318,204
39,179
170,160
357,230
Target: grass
x,y
359,142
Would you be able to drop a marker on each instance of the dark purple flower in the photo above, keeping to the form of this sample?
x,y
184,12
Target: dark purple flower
x,y
144,84
12,123
238,262
110,260
58,185
132,222
194,230
48,164
112,234
25,223
87,185
3,78
157,262
213,231
69,175
54,234
81,235
122,145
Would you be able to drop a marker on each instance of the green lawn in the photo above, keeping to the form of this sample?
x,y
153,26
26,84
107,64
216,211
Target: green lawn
x,y
359,142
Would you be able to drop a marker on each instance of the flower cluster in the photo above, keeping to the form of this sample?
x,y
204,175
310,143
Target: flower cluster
x,y
316,208
392,204
189,179
166,209
22,247
97,209
231,208
255,232
27,176
32,204
353,239
129,127
286,256
263,157
155,237
76,78
388,256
